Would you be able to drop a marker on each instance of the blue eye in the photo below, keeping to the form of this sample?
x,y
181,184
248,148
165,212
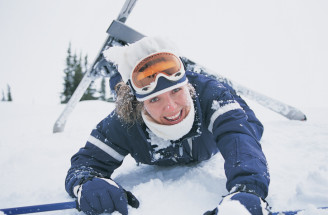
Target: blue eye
x,y
176,90
153,100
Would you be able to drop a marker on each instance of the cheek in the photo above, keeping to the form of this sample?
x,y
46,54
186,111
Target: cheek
x,y
185,98
151,109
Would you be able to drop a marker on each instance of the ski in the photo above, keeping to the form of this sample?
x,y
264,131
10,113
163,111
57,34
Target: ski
x,y
73,205
125,33
285,110
120,34
294,212
40,208
99,68
132,201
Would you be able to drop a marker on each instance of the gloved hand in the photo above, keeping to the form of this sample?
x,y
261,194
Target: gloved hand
x,y
100,195
254,205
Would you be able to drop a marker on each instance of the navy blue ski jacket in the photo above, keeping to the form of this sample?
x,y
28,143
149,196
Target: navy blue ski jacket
x,y
223,123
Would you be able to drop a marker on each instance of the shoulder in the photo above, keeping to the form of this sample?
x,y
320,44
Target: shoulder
x,y
208,88
204,82
195,77
113,131
112,125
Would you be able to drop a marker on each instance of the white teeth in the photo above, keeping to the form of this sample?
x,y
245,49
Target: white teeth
x,y
173,117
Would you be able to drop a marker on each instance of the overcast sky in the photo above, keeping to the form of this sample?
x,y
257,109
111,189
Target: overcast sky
x,y
276,47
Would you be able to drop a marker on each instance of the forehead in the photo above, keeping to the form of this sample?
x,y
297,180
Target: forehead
x,y
168,93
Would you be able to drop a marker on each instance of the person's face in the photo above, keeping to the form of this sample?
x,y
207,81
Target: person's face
x,y
171,107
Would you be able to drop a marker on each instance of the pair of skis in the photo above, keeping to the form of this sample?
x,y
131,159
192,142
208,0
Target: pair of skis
x,y
119,35
73,205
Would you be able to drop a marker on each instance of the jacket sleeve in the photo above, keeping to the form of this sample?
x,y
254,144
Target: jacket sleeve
x,y
237,133
251,118
99,157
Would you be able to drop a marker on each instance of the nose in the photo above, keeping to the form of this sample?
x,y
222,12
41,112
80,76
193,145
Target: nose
x,y
170,104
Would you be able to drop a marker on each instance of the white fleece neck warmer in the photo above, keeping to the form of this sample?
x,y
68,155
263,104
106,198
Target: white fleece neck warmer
x,y
171,132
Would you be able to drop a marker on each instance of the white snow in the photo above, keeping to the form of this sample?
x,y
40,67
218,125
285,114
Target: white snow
x,y
155,140
232,207
278,48
34,162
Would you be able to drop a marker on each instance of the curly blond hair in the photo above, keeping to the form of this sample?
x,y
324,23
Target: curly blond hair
x,y
128,107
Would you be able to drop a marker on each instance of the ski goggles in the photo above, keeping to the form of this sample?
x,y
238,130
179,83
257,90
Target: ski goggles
x,y
146,74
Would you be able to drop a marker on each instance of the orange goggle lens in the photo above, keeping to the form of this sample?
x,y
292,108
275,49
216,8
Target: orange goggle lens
x,y
160,63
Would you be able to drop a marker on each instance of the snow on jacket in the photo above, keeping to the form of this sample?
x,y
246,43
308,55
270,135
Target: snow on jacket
x,y
223,123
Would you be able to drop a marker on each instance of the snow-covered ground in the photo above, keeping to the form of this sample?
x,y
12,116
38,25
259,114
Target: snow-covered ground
x,y
34,161
278,48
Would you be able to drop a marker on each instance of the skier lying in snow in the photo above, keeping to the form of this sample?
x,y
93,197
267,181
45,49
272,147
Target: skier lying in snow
x,y
166,116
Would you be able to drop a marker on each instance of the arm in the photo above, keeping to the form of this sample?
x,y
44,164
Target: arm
x,y
237,133
251,118
88,179
98,158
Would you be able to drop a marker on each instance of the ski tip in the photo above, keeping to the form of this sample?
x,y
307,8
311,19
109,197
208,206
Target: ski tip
x,y
295,114
58,128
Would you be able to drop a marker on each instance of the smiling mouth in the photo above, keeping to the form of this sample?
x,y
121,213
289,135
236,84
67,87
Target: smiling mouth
x,y
175,117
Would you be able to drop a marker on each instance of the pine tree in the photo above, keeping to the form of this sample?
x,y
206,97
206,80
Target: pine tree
x,y
102,90
3,99
74,72
90,92
78,73
9,97
69,77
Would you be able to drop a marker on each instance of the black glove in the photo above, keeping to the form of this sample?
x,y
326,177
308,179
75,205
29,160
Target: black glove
x,y
100,195
254,204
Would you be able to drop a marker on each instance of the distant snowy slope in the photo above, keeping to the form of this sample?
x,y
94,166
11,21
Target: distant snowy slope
x,y
34,162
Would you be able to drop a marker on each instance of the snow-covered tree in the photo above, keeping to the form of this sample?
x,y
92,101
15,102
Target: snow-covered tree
x,y
74,72
102,90
3,99
90,93
9,97
68,78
